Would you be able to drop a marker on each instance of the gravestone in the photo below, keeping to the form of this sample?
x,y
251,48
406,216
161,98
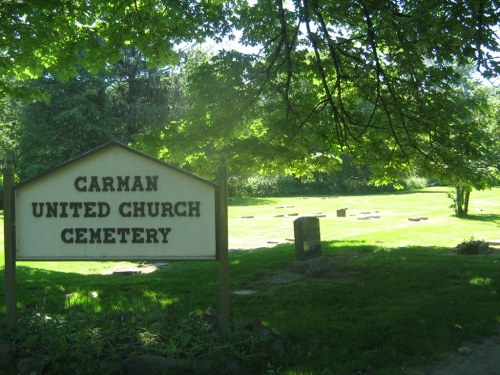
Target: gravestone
x,y
342,212
307,238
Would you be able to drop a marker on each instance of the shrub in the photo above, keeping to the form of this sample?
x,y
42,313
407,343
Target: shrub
x,y
472,247
415,183
263,186
351,179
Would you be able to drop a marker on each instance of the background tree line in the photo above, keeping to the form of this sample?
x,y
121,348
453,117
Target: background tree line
x,y
131,103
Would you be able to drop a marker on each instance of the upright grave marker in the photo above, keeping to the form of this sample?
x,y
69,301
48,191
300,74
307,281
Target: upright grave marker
x,y
307,237
115,203
308,246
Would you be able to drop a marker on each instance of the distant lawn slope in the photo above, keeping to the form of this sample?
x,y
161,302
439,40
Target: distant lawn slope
x,y
387,221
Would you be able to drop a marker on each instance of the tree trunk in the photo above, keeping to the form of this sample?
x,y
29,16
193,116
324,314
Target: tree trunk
x,y
466,202
458,200
462,200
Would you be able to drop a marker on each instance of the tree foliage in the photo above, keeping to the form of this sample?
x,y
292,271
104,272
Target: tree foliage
x,y
374,79
75,120
363,74
86,111
60,36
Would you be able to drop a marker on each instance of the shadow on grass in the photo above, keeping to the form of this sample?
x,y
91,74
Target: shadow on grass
x,y
373,313
410,192
91,324
378,309
250,201
57,292
346,247
482,217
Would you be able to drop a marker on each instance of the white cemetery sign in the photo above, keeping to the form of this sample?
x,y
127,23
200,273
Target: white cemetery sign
x,y
115,203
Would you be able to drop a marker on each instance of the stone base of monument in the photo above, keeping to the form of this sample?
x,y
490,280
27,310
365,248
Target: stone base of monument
x,y
312,265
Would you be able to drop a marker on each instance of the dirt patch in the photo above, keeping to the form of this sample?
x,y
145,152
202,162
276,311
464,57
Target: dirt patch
x,y
129,268
481,358
286,277
320,267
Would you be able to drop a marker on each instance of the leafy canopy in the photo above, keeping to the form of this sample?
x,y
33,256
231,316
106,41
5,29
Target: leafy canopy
x,y
60,36
372,78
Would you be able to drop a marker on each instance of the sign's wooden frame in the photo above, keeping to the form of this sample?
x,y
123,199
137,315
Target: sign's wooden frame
x,y
221,227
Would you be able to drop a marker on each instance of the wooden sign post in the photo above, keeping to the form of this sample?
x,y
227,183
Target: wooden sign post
x,y
115,203
10,253
223,247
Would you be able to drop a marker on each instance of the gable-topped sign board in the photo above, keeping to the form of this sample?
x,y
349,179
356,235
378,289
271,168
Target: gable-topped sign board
x,y
115,203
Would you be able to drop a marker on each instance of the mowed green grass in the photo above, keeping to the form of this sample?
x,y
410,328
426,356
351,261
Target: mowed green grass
x,y
396,295
391,228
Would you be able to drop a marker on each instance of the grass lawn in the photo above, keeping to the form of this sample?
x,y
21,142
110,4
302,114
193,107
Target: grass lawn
x,y
392,229
395,296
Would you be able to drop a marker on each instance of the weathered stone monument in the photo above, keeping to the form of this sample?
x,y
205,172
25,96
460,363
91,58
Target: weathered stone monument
x,y
342,212
307,237
309,259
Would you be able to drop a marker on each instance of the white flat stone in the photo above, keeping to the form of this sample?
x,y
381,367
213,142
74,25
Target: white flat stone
x,y
245,292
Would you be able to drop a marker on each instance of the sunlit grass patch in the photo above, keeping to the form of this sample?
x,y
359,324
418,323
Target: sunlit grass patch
x,y
89,300
388,224
481,281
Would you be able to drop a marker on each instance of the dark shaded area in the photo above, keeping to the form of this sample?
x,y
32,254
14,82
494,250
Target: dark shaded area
x,y
115,292
372,310
70,322
482,217
376,310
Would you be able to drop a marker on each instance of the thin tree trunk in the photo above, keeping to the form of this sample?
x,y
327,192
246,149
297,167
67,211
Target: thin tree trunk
x,y
462,195
459,200
466,202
